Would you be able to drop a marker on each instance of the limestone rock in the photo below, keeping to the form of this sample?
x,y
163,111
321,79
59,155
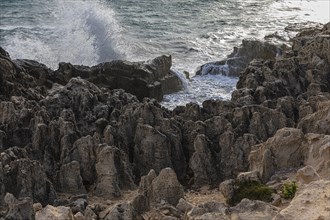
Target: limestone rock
x,y
290,148
79,216
248,209
208,207
238,60
54,213
152,150
120,211
184,206
84,152
79,205
69,179
112,172
26,178
252,176
152,78
227,188
164,187
307,174
311,202
19,209
283,151
37,207
317,122
89,214
319,154
202,162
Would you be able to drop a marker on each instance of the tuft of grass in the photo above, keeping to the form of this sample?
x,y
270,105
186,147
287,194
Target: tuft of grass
x,y
251,190
289,190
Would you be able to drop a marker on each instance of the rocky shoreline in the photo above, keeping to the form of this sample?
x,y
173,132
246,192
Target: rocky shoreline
x,y
75,145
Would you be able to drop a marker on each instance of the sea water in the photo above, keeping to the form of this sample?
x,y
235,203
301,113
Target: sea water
x,y
194,32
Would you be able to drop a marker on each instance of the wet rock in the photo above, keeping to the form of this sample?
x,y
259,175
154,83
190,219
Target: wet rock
x,y
152,78
239,59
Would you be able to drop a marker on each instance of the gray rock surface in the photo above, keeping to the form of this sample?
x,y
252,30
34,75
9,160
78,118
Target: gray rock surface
x,y
70,131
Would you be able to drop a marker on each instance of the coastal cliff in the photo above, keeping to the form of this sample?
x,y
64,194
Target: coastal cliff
x,y
75,145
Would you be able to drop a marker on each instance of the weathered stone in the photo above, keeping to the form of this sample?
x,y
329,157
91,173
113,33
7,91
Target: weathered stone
x,y
208,207
281,152
89,214
54,213
69,179
238,60
202,162
252,176
79,205
26,178
120,211
311,202
112,172
37,207
166,187
79,216
184,206
152,150
248,209
227,188
84,152
19,209
307,174
152,78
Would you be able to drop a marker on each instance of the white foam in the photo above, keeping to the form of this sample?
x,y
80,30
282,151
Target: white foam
x,y
201,88
79,32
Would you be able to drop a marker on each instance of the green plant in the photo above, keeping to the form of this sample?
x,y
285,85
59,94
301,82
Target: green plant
x,y
289,190
251,190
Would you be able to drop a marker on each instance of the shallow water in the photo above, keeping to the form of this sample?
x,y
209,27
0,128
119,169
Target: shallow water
x,y
192,31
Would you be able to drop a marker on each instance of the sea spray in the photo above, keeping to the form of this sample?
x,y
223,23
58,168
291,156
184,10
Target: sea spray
x,y
79,32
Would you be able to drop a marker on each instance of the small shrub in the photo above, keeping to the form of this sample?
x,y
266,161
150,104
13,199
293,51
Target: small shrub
x,y
289,190
251,190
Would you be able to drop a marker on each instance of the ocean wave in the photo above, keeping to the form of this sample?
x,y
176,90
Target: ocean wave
x,y
80,32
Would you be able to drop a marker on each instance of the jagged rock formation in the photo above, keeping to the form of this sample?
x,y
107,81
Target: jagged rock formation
x,y
152,78
240,58
67,134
